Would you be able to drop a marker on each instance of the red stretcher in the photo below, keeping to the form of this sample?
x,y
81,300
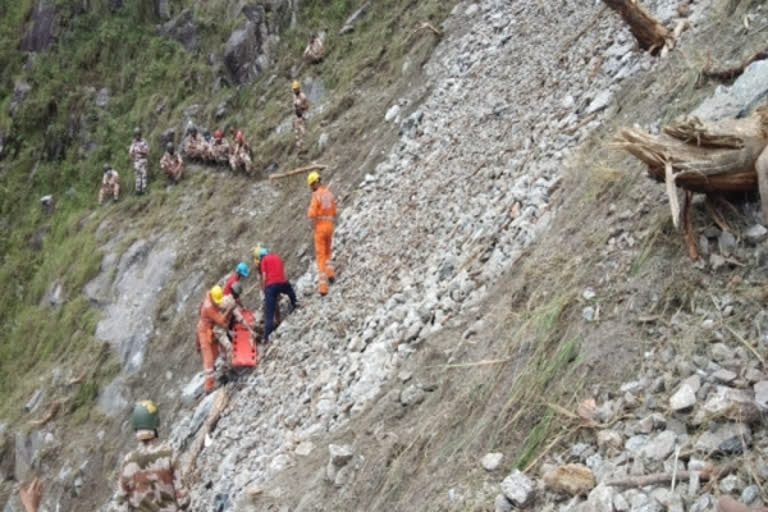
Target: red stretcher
x,y
243,356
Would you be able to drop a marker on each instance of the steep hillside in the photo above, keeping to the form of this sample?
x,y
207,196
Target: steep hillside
x,y
497,264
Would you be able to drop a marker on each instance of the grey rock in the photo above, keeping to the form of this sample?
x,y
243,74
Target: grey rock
x,y
728,439
750,494
112,398
27,447
684,398
705,503
601,498
610,440
491,461
721,352
20,90
40,30
304,448
600,101
241,54
412,395
756,234
472,10
660,447
128,320
354,18
192,390
588,314
183,29
392,113
761,395
34,401
163,9
732,484
102,97
724,376
322,141
201,413
518,488
340,455
502,504
409,125
738,99
726,243
671,502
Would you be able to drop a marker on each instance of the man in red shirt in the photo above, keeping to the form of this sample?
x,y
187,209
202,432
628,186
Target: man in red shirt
x,y
273,283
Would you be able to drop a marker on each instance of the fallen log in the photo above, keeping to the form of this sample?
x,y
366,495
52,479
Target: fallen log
x,y
705,157
220,401
659,478
314,167
649,33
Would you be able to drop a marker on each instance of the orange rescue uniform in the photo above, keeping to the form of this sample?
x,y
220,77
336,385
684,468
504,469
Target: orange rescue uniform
x,y
322,210
210,315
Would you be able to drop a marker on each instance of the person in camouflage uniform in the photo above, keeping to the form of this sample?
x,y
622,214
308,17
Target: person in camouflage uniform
x,y
138,152
300,107
220,148
315,50
149,479
194,145
110,184
240,153
171,163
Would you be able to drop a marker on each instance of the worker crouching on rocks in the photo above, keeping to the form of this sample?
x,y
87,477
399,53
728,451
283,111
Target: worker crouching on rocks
x,y
214,312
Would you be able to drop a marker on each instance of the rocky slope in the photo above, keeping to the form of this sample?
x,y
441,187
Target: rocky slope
x,y
464,224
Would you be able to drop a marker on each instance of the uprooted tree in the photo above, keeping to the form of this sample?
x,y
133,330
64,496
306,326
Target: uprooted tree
x,y
713,158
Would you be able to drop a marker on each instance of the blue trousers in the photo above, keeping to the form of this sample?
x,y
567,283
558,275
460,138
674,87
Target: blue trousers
x,y
271,294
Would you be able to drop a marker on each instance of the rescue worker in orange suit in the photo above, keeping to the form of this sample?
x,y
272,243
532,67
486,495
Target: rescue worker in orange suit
x,y
214,311
322,210
274,284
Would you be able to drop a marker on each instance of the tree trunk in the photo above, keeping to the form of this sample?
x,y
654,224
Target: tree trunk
x,y
651,34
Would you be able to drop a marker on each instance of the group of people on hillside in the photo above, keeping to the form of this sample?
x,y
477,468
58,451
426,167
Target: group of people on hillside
x,y
149,477
208,148
222,305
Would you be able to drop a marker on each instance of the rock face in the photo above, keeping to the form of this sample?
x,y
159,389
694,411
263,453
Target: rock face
x,y
40,29
131,298
183,29
243,53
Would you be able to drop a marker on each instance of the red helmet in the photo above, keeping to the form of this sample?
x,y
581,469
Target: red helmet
x,y
239,136
217,134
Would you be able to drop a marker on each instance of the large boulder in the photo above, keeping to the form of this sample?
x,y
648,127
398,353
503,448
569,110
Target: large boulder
x,y
183,29
40,31
244,57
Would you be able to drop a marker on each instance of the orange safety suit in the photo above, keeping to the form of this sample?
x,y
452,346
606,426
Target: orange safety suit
x,y
322,210
210,315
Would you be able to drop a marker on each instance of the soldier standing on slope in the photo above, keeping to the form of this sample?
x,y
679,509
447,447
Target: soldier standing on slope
x,y
300,107
138,152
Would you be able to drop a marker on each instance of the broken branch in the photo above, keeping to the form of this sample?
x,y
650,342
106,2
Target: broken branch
x,y
219,404
733,72
650,34
293,172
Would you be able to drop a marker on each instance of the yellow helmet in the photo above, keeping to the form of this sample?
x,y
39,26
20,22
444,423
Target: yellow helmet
x,y
256,255
313,177
295,85
217,294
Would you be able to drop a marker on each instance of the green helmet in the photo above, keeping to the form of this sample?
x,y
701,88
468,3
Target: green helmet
x,y
145,416
169,147
237,289
107,167
136,132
